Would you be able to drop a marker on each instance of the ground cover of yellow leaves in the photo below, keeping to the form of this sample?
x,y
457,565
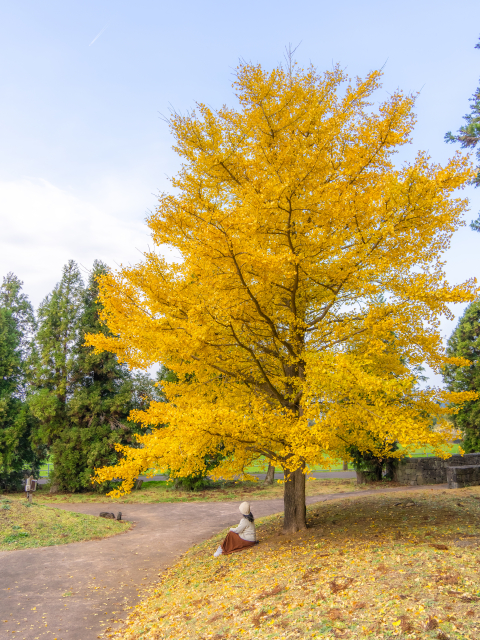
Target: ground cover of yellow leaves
x,y
403,565
24,525
154,492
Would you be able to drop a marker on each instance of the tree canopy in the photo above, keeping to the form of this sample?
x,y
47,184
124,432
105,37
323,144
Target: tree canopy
x,y
290,221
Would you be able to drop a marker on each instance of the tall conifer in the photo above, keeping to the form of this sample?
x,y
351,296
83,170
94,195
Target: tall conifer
x,y
17,447
12,297
81,399
103,392
53,360
465,343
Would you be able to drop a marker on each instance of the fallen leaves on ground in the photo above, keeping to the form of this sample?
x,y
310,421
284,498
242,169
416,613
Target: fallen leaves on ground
x,y
375,573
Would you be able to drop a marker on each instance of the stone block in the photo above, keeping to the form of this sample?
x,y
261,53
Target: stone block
x,y
461,476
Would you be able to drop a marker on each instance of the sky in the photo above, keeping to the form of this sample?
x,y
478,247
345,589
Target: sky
x,y
84,85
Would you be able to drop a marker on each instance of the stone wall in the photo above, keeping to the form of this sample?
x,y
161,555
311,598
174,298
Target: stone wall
x,y
457,470
417,471
464,476
466,460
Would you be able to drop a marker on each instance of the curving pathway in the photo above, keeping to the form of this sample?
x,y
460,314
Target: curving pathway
x,y
75,591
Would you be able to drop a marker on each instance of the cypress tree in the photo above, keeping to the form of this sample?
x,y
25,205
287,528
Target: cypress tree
x,y
12,297
465,343
102,392
10,368
52,358
81,399
17,424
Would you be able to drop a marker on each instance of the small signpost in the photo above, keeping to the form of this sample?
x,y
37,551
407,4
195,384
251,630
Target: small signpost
x,y
30,487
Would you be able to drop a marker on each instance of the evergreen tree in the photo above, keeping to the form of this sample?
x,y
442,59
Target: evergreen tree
x,y
17,449
465,343
52,360
469,136
102,392
11,297
10,377
370,466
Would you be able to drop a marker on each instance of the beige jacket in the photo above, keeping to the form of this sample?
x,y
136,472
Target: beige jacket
x,y
246,530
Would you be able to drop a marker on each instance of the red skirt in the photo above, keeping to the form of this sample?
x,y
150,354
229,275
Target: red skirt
x,y
233,542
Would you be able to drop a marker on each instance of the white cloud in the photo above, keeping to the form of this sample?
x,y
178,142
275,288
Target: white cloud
x,y
43,226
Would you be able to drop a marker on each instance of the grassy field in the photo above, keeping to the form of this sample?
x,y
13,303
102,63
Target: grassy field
x,y
161,491
386,566
24,525
261,468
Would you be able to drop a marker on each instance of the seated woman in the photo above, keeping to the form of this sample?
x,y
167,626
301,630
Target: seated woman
x,y
243,536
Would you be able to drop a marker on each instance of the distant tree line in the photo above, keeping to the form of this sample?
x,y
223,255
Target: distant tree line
x,y
59,400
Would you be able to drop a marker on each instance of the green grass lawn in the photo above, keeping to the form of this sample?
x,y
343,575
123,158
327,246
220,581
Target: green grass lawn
x,y
24,525
422,453
261,467
338,466
162,491
386,566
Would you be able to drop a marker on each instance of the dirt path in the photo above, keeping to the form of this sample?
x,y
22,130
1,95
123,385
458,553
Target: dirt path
x,y
75,591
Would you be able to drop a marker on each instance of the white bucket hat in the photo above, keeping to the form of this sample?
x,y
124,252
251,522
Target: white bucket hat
x,y
244,508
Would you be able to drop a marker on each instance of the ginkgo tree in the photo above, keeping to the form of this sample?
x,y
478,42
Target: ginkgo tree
x,y
307,288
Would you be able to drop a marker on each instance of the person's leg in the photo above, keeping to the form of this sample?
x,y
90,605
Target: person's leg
x,y
218,552
230,542
233,542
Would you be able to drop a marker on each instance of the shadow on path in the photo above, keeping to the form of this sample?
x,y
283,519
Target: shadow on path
x,y
75,591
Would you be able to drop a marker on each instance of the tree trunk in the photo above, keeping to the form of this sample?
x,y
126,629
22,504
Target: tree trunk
x,y
363,478
300,498
295,510
345,465
270,477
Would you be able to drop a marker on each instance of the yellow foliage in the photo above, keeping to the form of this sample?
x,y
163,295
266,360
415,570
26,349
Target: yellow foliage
x,y
308,283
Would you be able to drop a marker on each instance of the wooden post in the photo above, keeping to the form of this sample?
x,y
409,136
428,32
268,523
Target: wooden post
x,y
30,487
